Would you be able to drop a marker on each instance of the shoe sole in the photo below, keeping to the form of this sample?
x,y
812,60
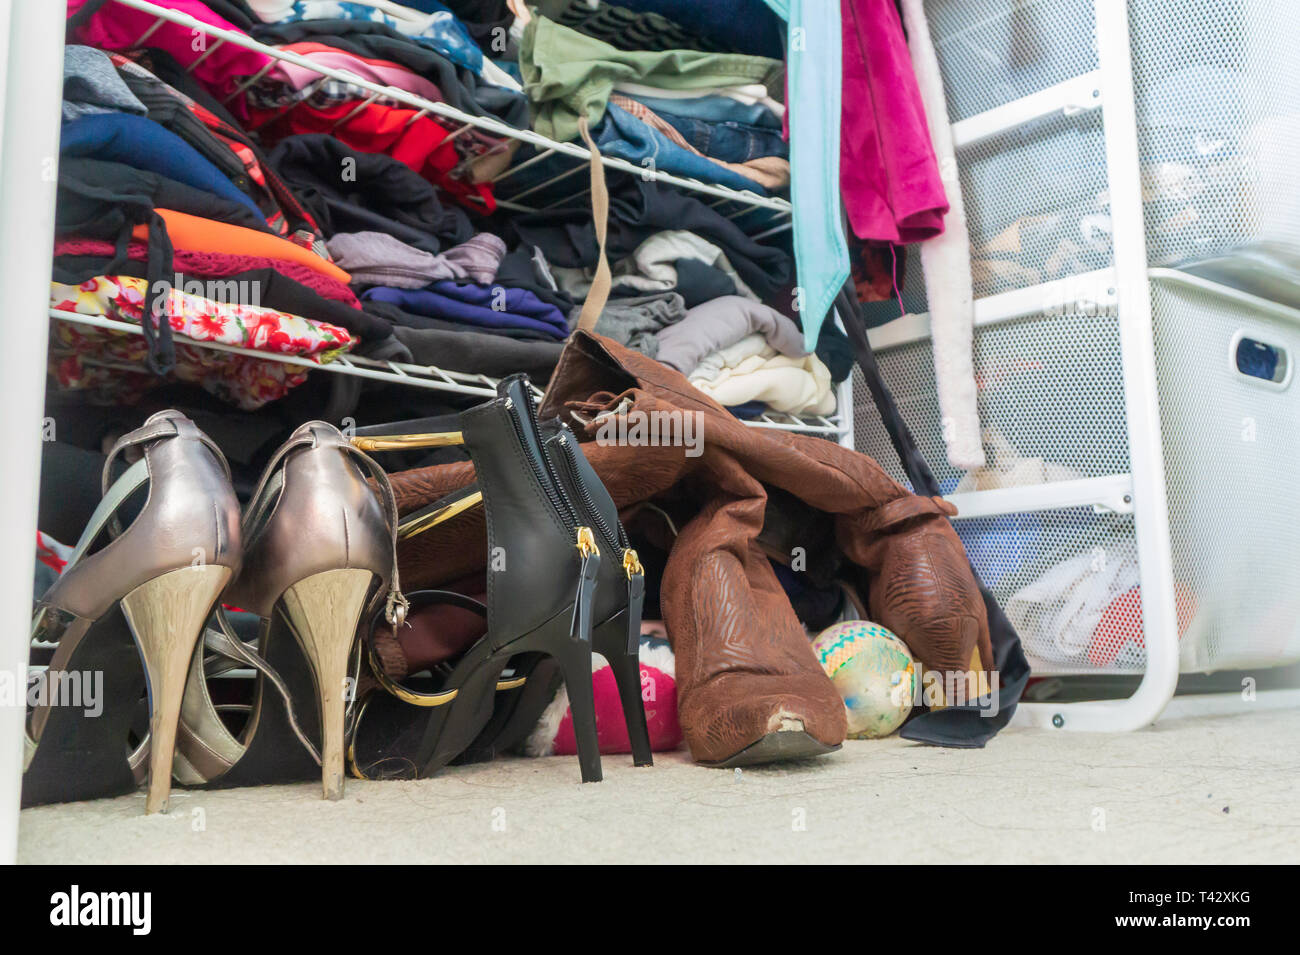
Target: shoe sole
x,y
782,746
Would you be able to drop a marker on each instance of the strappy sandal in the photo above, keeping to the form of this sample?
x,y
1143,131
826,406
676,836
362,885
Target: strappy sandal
x,y
319,558
142,598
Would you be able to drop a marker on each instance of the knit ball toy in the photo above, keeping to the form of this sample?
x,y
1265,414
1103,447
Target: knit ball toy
x,y
873,671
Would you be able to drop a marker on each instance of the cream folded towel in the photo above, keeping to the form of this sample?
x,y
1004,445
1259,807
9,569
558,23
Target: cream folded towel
x,y
752,370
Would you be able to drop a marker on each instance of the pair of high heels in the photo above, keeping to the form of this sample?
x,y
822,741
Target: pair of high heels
x,y
312,556
563,580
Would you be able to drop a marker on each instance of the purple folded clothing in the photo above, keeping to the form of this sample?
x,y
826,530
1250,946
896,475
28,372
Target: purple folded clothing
x,y
483,306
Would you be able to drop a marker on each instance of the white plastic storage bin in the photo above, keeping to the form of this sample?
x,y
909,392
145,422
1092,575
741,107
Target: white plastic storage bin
x,y
1217,91
1230,422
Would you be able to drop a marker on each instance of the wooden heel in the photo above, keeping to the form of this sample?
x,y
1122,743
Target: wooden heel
x,y
323,611
167,615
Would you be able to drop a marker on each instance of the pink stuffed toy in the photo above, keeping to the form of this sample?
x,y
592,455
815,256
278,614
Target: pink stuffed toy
x,y
553,735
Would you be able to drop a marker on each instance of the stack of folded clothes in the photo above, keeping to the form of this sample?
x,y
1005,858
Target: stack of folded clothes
x,y
712,116
167,209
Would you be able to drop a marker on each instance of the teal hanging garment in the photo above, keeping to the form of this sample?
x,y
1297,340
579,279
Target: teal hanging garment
x,y
813,102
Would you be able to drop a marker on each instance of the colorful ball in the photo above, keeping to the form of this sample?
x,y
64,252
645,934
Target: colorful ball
x,y
874,673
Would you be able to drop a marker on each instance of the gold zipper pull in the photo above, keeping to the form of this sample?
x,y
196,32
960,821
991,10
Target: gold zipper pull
x,y
635,599
587,542
632,564
580,626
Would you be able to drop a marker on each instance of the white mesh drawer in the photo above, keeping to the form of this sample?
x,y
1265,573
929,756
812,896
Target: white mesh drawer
x,y
1051,401
1217,84
1217,89
1068,581
994,51
1232,447
1037,208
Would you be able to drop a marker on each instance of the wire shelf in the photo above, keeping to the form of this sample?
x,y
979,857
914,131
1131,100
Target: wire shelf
x,y
417,376
775,216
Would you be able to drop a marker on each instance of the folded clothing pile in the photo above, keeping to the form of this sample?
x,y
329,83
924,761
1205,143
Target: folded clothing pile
x,y
171,218
79,356
683,109
752,370
338,202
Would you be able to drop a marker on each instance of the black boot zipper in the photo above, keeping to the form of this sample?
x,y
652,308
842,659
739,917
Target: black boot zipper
x,y
618,543
584,598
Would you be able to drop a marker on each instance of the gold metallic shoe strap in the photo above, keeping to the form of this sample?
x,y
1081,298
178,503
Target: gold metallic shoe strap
x,y
405,694
408,442
396,605
440,511
226,643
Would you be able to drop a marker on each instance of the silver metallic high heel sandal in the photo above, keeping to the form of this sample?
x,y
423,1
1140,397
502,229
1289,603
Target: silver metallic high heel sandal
x,y
319,557
142,597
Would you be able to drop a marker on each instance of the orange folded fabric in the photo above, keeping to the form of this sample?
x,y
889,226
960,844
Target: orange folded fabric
x,y
193,234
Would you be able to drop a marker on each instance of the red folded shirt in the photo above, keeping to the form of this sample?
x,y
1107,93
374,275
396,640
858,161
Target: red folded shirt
x,y
419,142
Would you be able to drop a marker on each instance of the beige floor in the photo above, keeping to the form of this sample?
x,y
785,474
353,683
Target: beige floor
x,y
1188,790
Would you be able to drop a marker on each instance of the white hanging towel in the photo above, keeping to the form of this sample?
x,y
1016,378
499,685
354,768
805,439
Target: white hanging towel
x,y
946,259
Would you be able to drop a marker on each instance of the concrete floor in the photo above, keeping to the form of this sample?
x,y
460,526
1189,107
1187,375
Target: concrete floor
x,y
1217,789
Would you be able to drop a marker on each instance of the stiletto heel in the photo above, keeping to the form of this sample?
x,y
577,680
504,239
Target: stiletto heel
x,y
324,611
575,664
618,637
166,615
627,676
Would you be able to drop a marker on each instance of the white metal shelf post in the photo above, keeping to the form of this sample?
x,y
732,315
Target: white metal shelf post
x,y
1137,347
31,47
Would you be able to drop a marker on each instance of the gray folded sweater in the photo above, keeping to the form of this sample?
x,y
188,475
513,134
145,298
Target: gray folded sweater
x,y
722,322
375,258
635,321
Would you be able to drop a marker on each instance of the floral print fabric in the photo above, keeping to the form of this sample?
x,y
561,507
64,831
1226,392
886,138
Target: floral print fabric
x,y
104,360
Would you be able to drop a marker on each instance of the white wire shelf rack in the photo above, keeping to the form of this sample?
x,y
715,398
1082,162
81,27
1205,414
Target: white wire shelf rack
x,y
776,216
737,204
804,424
416,376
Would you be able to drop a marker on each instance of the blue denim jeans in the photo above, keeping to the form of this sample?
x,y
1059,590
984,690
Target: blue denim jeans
x,y
728,141
713,109
622,135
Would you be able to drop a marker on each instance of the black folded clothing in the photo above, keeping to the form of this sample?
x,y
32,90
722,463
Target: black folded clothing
x,y
351,191
637,210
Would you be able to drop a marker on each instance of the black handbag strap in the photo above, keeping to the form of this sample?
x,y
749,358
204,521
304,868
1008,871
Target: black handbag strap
x,y
973,724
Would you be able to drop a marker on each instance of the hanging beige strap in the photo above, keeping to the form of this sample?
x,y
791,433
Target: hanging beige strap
x,y
598,294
